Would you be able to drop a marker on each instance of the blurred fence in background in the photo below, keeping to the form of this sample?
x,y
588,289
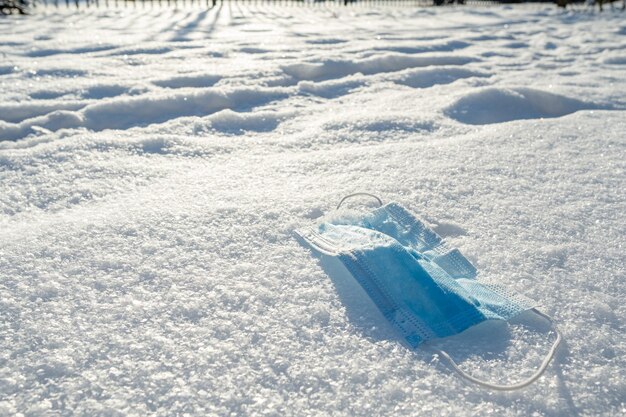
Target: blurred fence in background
x,y
26,6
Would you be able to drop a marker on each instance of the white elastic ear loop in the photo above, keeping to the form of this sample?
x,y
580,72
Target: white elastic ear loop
x,y
519,385
380,202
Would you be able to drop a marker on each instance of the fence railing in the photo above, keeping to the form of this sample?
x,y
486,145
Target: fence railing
x,y
29,6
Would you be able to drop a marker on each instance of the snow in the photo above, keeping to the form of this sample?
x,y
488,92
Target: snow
x,y
496,105
155,163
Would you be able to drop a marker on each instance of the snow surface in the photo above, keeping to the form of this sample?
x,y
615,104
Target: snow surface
x,y
155,162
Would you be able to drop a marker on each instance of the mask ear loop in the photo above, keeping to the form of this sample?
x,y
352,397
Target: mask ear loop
x,y
519,385
380,202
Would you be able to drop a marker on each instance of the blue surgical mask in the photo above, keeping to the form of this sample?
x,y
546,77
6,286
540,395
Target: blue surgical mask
x,y
423,287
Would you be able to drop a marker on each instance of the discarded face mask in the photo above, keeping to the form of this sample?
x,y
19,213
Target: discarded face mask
x,y
424,288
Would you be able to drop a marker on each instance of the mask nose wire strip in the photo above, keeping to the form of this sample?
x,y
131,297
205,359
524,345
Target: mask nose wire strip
x,y
519,385
380,202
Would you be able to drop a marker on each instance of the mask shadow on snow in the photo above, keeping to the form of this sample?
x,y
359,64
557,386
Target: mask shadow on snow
x,y
564,392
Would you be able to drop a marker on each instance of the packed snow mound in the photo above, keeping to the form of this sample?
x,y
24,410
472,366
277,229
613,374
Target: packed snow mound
x,y
125,112
390,62
228,121
190,81
497,105
424,78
